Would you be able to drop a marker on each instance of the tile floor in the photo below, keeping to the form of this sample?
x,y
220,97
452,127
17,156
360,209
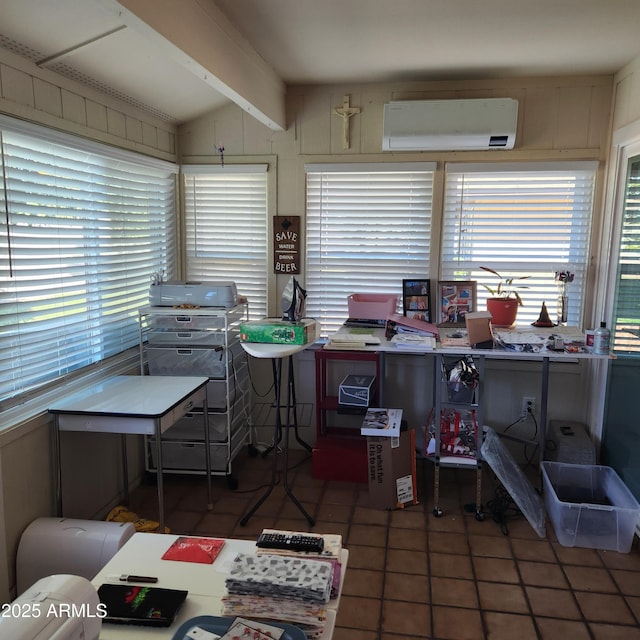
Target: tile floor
x,y
412,575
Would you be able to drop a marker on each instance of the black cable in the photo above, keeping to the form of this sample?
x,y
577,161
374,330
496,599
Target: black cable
x,y
502,507
529,459
535,438
257,393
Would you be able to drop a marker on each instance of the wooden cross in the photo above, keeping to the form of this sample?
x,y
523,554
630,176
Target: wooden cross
x,y
345,112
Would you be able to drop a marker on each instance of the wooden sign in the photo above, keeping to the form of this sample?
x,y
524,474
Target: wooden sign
x,y
286,244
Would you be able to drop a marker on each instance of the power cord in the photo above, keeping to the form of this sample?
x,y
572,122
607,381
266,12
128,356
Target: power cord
x,y
502,507
529,415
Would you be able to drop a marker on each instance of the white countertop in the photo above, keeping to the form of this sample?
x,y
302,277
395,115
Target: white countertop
x,y
141,555
143,396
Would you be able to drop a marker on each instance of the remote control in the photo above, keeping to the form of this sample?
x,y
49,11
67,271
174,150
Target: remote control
x,y
291,542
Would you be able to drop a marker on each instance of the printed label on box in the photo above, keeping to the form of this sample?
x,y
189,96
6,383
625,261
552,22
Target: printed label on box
x,y
404,489
392,471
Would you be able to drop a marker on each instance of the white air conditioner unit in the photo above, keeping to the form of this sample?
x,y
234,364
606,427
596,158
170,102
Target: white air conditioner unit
x,y
450,125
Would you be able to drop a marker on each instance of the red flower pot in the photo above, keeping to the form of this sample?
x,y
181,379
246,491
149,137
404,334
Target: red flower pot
x,y
503,311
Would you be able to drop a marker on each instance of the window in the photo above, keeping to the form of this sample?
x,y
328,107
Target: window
x,y
626,324
82,229
368,228
530,219
226,228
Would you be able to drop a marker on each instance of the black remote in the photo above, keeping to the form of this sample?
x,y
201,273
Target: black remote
x,y
291,542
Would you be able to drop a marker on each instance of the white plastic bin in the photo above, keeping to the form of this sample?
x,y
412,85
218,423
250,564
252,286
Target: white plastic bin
x,y
589,506
51,546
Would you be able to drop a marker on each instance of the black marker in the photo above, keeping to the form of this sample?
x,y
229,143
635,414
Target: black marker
x,y
132,578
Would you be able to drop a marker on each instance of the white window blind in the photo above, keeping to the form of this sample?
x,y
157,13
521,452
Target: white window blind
x,y
81,232
226,228
626,324
528,219
368,227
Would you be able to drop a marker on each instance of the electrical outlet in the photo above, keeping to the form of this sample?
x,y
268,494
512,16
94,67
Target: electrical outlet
x,y
528,404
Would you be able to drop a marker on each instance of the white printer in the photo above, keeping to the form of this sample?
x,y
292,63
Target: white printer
x,y
58,607
174,293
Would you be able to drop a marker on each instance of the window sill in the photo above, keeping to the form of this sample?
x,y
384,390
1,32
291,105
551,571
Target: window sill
x,y
32,413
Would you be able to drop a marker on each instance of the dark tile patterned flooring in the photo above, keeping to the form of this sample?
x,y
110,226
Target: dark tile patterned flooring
x,y
412,575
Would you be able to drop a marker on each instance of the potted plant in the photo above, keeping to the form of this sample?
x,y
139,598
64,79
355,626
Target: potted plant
x,y
505,299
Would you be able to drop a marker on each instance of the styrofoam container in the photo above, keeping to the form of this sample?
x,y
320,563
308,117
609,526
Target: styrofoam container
x,y
371,306
589,506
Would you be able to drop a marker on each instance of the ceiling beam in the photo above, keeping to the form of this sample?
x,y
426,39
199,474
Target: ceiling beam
x,y
197,35
61,55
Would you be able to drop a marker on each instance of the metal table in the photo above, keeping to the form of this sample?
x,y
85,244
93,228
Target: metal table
x,y
278,353
144,405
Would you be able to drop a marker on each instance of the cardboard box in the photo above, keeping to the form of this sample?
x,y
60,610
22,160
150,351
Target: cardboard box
x,y
392,471
479,327
356,391
275,331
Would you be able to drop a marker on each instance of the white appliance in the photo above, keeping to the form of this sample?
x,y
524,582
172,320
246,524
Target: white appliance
x,y
58,607
65,545
450,125
174,293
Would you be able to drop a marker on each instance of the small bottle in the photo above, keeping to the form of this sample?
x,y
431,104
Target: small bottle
x,y
601,338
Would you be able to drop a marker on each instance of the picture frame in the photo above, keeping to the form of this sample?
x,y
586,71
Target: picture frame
x,y
416,299
456,298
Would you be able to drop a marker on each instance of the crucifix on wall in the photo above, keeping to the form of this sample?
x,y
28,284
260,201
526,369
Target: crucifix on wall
x,y
346,112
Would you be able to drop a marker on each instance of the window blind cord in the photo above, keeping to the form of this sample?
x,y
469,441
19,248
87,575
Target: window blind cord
x,y
6,206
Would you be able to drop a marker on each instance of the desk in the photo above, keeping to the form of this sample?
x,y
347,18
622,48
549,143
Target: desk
x,y
146,405
277,353
542,355
141,555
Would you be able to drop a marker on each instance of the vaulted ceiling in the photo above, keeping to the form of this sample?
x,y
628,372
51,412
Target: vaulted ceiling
x,y
181,58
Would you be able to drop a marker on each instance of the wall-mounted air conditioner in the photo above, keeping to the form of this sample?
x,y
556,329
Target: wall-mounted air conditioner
x,y
450,125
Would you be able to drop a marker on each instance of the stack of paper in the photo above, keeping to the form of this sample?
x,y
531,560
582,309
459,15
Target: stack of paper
x,y
283,588
331,552
353,338
413,342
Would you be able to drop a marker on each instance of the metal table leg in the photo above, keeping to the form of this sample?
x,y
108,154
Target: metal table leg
x,y
277,437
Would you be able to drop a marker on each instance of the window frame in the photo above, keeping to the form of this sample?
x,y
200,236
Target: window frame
x,y
245,287
116,205
328,302
541,284
623,342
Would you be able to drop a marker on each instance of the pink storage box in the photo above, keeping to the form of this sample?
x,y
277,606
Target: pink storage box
x,y
372,306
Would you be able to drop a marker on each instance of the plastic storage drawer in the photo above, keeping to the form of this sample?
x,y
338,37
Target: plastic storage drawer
x,y
589,506
188,338
190,456
187,322
191,427
187,361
